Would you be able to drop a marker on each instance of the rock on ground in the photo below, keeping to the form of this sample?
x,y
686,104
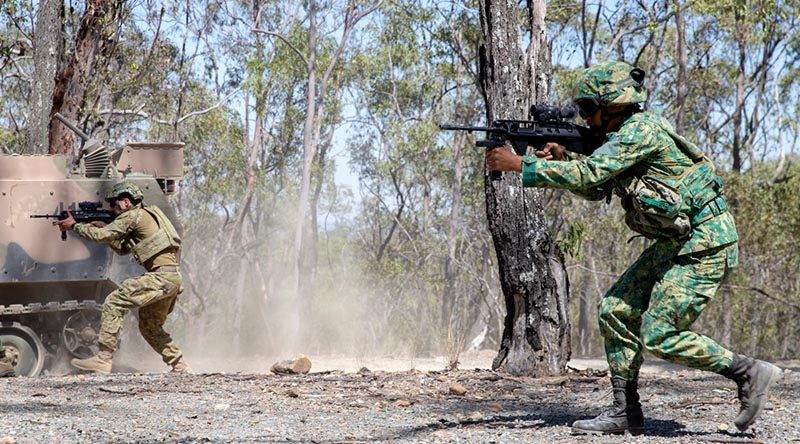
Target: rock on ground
x,y
299,365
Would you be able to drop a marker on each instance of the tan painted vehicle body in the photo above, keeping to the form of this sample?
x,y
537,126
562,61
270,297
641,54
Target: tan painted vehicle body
x,y
50,290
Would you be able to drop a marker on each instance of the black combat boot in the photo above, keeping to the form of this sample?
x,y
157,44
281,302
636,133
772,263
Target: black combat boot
x,y
625,416
754,379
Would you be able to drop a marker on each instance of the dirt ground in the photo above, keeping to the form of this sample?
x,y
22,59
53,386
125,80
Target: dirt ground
x,y
388,402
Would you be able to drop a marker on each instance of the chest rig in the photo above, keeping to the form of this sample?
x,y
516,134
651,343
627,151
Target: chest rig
x,y
165,237
663,206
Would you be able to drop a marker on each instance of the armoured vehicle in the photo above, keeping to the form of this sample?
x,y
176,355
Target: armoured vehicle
x,y
51,290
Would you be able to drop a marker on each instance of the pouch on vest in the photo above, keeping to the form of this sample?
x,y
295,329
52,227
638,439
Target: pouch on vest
x,y
653,208
702,185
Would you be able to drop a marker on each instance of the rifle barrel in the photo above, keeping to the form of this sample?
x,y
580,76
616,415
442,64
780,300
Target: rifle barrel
x,y
445,126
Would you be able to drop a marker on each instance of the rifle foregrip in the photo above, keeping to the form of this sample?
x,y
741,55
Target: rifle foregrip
x,y
64,236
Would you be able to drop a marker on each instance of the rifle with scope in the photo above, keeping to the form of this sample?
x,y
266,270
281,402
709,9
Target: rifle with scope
x,y
548,123
87,212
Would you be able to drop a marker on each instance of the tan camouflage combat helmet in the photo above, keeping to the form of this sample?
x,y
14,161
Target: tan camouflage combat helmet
x,y
124,189
610,83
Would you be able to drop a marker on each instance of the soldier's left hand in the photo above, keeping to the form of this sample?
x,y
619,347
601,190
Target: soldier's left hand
x,y
66,224
503,159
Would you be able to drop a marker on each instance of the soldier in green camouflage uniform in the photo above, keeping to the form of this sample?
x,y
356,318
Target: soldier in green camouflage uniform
x,y
671,194
145,232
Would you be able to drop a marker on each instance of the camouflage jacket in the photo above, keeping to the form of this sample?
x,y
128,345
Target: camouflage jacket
x,y
642,146
127,230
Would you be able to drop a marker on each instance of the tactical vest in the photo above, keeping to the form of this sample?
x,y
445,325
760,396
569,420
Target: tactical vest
x,y
662,206
165,237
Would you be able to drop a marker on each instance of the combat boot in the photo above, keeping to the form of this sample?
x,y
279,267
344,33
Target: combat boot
x,y
754,379
181,367
100,363
625,416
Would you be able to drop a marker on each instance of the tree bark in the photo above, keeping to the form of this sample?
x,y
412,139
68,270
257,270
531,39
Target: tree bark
x,y
92,46
48,49
682,82
532,274
309,151
738,113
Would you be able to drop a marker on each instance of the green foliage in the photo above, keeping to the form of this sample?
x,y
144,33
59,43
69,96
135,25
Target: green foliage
x,y
209,80
570,240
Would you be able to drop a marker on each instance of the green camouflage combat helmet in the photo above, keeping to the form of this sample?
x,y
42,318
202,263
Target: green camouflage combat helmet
x,y
610,83
124,189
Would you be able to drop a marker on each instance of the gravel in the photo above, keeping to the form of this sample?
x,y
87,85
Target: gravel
x,y
682,406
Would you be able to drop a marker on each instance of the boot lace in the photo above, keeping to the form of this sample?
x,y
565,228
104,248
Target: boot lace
x,y
740,393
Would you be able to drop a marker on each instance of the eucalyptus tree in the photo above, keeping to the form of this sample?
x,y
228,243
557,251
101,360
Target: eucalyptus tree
x,y
91,50
318,20
16,42
536,339
421,213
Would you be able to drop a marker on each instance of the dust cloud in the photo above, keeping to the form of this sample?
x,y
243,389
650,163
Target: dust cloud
x,y
346,326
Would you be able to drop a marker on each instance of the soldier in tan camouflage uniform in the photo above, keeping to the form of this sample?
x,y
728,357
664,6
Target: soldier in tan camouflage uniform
x,y
145,232
671,194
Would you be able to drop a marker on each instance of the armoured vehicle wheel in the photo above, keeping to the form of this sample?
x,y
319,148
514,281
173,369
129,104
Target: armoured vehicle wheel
x,y
80,333
24,348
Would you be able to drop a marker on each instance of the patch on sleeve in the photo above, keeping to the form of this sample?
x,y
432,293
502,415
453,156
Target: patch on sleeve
x,y
636,133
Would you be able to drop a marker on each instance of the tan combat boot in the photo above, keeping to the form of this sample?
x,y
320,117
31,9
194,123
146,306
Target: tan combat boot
x,y
6,367
181,367
100,363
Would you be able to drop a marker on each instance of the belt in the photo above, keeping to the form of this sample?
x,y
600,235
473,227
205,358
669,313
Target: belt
x,y
168,269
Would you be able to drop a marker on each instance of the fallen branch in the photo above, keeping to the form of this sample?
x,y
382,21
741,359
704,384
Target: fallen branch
x,y
688,404
763,293
118,392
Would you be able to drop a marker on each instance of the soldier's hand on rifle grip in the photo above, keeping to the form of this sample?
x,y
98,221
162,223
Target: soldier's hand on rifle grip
x,y
551,151
66,224
503,159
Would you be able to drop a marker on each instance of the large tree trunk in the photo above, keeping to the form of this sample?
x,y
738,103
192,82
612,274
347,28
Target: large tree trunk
x,y
532,275
48,48
93,43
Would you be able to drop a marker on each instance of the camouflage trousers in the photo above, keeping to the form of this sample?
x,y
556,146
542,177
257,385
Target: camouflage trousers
x,y
654,303
154,294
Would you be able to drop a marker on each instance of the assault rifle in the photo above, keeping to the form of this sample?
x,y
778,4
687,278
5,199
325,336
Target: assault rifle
x,y
548,123
86,212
